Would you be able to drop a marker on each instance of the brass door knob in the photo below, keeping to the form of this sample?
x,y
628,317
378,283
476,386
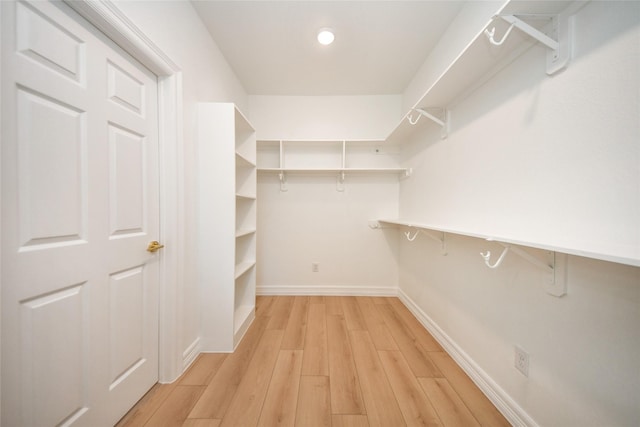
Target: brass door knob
x,y
154,246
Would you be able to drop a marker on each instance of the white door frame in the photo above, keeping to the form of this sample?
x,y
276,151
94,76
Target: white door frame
x,y
106,17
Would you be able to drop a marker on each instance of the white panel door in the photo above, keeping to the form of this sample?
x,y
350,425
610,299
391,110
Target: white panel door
x,y
79,207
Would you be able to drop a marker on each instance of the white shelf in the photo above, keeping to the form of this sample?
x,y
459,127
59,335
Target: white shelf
x,y
245,197
334,170
243,267
245,232
326,157
243,162
537,245
477,62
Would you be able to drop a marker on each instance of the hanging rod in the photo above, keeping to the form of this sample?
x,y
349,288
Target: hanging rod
x,y
523,254
524,27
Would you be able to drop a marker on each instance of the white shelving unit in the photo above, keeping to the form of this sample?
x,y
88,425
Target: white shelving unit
x,y
227,224
340,158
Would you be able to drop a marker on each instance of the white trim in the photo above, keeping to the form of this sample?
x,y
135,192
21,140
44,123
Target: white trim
x,y
1,212
370,291
106,17
502,401
191,353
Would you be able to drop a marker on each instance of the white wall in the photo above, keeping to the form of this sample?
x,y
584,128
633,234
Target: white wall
x,y
554,160
324,117
176,28
312,222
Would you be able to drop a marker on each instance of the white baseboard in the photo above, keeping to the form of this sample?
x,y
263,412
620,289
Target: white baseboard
x,y
190,354
391,291
505,404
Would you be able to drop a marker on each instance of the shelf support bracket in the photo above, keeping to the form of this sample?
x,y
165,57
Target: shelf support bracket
x,y
441,240
444,123
283,182
555,277
340,182
559,50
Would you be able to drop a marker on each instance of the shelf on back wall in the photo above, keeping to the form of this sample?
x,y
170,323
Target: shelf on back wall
x,y
327,157
403,171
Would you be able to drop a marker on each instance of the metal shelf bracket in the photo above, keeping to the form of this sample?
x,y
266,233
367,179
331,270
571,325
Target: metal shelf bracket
x,y
555,267
559,52
283,182
443,122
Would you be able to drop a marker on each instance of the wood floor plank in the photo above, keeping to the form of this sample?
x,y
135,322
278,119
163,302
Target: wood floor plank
x,y
246,405
281,401
419,331
451,410
414,404
416,355
479,405
280,313
216,398
314,406
202,371
376,326
265,304
349,421
334,305
174,410
349,381
353,314
346,395
379,399
296,329
147,406
316,299
316,360
201,422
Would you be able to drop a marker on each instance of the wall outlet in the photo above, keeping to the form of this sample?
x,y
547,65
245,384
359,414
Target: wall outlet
x,y
315,267
521,361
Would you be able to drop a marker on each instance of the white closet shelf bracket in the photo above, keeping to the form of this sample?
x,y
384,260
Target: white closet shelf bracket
x,y
340,182
554,268
559,50
444,122
441,240
283,181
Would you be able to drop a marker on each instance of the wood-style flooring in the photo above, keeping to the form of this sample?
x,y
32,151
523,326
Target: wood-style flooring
x,y
323,361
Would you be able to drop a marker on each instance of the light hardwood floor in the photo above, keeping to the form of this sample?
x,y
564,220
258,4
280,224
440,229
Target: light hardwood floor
x,y
323,361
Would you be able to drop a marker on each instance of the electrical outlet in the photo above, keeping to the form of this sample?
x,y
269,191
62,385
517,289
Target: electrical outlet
x,y
521,361
315,267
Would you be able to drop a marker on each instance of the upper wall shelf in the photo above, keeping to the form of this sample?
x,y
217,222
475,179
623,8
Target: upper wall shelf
x,y
481,59
338,158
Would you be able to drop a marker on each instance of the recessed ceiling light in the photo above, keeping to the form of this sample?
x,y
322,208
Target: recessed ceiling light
x,y
325,36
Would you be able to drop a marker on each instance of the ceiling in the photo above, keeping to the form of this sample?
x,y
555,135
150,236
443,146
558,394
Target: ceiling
x,y
379,45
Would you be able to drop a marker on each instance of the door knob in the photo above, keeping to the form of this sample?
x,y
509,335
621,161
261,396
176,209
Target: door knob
x,y
154,246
